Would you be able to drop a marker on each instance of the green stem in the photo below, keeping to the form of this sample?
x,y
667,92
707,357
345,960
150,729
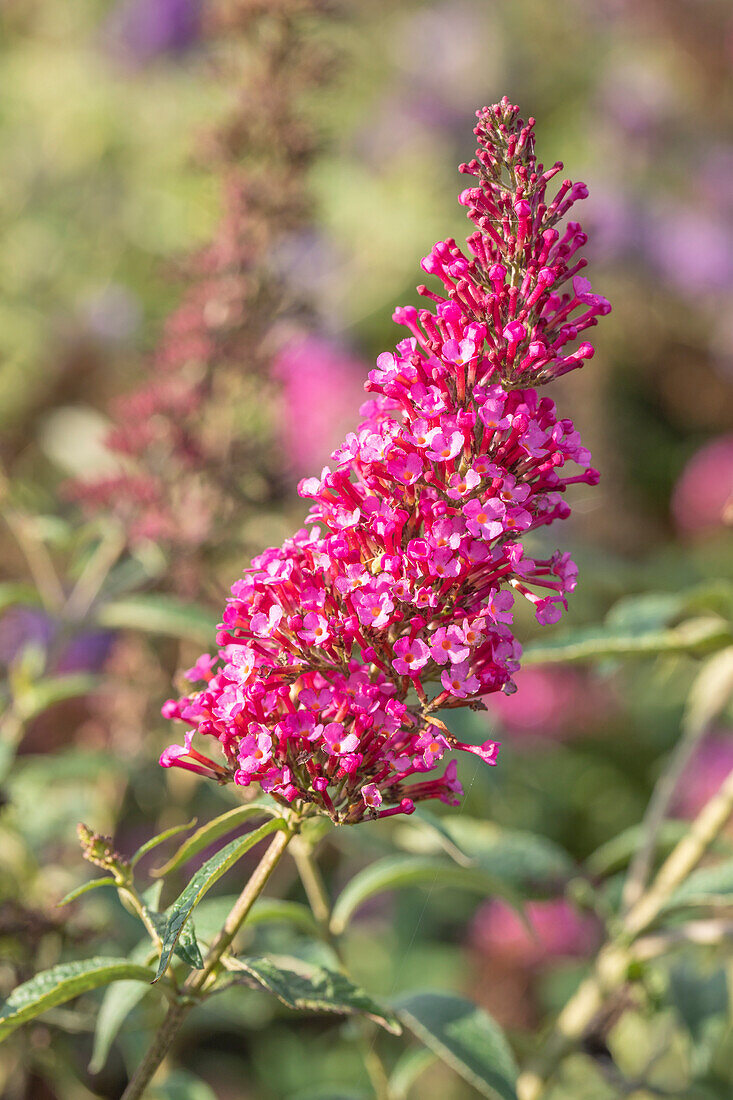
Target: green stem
x,y
315,889
612,965
195,985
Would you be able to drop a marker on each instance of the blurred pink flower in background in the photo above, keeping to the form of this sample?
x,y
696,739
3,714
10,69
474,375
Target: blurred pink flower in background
x,y
556,930
703,496
322,388
554,702
704,774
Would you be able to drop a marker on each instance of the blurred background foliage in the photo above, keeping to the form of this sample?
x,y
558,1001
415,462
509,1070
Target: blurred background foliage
x,y
107,187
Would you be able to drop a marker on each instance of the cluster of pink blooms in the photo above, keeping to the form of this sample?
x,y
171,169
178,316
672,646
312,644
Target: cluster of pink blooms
x,y
338,648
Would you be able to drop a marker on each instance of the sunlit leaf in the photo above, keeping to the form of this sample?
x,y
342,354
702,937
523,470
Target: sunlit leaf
x,y
396,872
304,986
117,1004
699,635
63,982
212,830
465,1037
410,1065
160,839
93,884
159,614
708,886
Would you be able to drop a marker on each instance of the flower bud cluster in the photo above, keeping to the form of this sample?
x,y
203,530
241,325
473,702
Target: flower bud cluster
x,y
338,649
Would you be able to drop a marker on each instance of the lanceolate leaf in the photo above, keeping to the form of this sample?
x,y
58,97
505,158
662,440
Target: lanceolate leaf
x,y
160,839
212,830
86,887
616,853
61,983
699,635
117,1004
410,1065
524,861
203,880
304,986
708,886
394,872
155,614
466,1038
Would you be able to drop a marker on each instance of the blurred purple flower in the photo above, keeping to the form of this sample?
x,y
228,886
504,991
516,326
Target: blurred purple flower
x,y
614,224
140,30
552,703
23,626
704,775
325,379
702,499
556,930
692,249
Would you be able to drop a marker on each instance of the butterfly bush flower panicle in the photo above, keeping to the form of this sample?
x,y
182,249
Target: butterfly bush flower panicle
x,y
338,648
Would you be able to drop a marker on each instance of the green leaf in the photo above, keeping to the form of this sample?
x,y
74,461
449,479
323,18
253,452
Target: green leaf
x,y
647,611
523,861
188,948
117,1004
697,996
708,886
211,914
304,986
616,853
156,614
160,839
210,832
61,983
699,635
209,873
85,888
394,872
410,1065
466,1038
